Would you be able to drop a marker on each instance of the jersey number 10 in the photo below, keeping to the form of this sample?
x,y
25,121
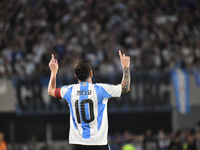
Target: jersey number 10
x,y
90,104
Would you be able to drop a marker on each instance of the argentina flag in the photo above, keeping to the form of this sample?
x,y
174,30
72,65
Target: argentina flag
x,y
197,77
181,86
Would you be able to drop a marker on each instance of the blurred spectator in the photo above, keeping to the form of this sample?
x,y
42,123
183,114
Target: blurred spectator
x,y
30,65
197,128
137,142
175,144
191,143
197,137
19,65
163,140
31,144
3,145
128,137
2,67
116,142
149,142
128,147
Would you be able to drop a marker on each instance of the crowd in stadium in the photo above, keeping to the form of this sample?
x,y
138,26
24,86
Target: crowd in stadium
x,y
158,35
188,139
181,140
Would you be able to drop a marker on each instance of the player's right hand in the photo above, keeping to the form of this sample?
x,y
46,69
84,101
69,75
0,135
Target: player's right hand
x,y
125,60
53,65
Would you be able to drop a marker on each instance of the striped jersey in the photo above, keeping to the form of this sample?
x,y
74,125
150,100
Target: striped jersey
x,y
88,111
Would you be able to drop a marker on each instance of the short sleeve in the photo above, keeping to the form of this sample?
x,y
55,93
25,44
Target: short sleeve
x,y
64,90
113,90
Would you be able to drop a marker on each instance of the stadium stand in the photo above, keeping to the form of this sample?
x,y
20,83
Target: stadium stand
x,y
158,35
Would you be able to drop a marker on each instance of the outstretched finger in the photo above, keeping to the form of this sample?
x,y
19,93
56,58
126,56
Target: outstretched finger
x,y
120,54
52,56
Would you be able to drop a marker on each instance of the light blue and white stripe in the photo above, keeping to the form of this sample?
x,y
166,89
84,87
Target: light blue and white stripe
x,y
181,86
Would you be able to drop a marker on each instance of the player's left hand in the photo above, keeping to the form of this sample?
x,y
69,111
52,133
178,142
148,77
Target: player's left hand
x,y
53,65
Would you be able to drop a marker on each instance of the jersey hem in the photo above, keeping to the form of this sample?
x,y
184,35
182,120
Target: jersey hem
x,y
94,144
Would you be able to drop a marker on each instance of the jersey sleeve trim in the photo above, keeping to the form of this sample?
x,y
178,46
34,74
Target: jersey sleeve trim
x,y
57,93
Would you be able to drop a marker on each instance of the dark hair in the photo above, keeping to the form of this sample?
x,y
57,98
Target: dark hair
x,y
82,69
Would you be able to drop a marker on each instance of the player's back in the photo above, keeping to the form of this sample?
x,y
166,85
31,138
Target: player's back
x,y
88,111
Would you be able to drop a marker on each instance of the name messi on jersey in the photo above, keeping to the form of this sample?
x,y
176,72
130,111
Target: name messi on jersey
x,y
84,92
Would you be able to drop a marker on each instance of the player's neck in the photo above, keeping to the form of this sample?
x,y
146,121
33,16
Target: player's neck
x,y
88,80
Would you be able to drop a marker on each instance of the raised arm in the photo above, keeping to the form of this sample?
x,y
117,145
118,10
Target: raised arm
x,y
53,65
126,81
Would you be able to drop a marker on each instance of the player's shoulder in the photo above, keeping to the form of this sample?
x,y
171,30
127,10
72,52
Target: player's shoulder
x,y
68,86
104,85
107,85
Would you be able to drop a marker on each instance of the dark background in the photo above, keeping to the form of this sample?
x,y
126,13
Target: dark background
x,y
26,126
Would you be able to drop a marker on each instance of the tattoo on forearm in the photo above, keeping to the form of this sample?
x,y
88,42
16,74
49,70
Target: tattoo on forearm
x,y
126,80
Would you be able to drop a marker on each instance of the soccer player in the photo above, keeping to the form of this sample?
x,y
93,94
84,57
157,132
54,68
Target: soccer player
x,y
88,103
